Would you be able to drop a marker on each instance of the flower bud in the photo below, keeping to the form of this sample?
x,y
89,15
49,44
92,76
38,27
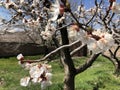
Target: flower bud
x,y
20,57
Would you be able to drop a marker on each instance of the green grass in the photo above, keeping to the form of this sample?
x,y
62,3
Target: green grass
x,y
99,75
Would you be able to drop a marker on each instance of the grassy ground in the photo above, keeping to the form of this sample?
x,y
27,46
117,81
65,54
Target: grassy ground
x,y
100,75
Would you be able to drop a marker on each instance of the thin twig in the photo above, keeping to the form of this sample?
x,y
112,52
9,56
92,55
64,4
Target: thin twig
x,y
116,50
80,24
97,6
63,27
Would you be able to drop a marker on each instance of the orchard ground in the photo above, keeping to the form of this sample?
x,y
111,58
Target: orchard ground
x,y
99,75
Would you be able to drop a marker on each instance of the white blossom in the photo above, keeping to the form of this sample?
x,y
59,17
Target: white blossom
x,y
39,73
21,64
45,84
20,57
61,20
28,66
56,9
73,31
92,45
35,72
48,76
49,31
9,4
98,33
106,42
115,8
35,3
22,1
34,80
81,8
86,39
46,35
25,81
91,11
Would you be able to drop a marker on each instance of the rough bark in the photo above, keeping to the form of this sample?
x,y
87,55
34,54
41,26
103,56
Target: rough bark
x,y
69,83
67,62
117,69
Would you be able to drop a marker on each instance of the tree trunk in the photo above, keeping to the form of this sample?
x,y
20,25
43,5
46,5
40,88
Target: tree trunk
x,y
117,69
69,83
67,62
69,70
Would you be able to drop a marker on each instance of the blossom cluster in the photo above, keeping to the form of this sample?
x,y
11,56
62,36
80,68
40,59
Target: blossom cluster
x,y
49,31
20,8
97,41
105,42
115,7
57,8
39,73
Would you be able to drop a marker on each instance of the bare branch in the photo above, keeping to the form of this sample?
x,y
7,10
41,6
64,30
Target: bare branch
x,y
54,51
111,18
116,50
113,55
87,64
63,27
110,58
80,24
97,6
107,13
77,49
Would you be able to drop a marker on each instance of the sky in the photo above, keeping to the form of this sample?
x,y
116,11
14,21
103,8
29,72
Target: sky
x,y
5,14
88,4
